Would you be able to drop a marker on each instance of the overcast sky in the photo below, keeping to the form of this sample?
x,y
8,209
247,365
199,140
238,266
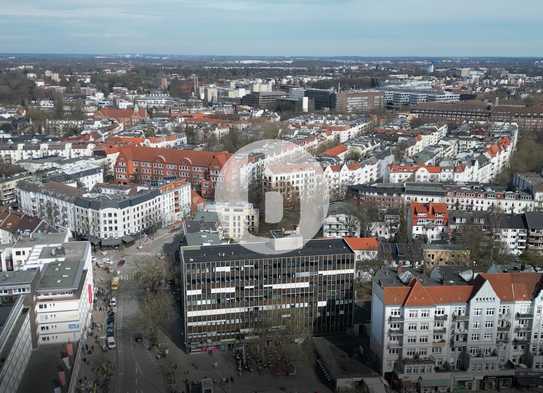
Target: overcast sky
x,y
275,27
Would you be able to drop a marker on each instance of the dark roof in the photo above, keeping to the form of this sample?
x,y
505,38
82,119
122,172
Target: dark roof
x,y
534,220
236,251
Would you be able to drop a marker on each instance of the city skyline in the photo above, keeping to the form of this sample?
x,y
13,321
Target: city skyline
x,y
280,28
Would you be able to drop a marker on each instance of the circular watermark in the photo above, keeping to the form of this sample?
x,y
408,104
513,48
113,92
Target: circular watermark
x,y
278,177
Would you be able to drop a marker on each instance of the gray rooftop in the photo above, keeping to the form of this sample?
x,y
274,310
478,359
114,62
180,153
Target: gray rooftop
x,y
68,273
234,252
18,277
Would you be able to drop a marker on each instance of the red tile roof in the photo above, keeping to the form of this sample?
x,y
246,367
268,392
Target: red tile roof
x,y
335,151
362,243
514,286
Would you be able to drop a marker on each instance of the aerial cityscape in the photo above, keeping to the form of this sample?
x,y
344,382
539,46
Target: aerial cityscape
x,y
262,197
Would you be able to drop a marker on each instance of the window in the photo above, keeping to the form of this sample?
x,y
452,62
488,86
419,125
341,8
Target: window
x,y
476,325
425,326
477,311
412,326
487,336
425,313
412,339
489,311
423,339
489,324
475,337
413,314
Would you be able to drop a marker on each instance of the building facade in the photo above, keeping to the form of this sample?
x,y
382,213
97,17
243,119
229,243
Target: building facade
x,y
230,293
473,332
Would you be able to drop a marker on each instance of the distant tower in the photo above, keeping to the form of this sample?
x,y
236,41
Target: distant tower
x,y
196,86
430,68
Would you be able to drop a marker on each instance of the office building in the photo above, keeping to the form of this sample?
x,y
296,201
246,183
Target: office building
x,y
15,342
229,292
359,101
322,98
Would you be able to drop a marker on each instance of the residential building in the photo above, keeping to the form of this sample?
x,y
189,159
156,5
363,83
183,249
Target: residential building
x,y
12,153
110,214
341,225
145,164
428,221
444,254
364,248
64,293
460,331
8,185
229,291
235,220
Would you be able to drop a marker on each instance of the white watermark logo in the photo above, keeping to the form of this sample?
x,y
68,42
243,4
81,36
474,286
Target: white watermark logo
x,y
281,178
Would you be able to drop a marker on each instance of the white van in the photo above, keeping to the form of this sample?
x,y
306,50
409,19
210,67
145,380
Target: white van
x,y
111,342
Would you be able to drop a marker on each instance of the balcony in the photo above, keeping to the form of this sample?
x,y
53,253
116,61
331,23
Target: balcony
x,y
504,328
460,317
395,319
528,315
439,329
441,317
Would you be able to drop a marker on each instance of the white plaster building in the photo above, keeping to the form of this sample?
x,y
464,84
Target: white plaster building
x,y
473,332
64,293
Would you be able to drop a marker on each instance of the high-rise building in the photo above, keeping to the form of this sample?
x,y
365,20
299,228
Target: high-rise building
x,y
230,292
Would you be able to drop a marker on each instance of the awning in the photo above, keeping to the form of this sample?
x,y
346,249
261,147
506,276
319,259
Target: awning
x,y
129,239
111,242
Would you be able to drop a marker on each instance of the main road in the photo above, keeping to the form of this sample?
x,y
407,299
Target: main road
x,y
137,369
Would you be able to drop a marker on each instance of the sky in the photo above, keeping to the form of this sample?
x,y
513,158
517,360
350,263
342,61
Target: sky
x,y
274,27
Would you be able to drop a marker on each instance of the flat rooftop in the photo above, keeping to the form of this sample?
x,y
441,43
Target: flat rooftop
x,y
18,277
231,252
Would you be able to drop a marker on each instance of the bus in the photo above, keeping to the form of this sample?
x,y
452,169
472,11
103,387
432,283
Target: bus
x,y
115,283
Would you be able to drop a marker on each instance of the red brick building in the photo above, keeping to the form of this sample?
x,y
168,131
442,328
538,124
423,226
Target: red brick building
x,y
146,164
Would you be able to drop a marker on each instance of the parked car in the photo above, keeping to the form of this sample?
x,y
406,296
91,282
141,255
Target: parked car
x,y
138,337
113,302
111,342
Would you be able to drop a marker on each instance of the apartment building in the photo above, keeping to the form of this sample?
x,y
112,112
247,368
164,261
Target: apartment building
x,y
64,294
8,186
235,220
146,164
458,331
12,153
230,292
341,225
428,221
460,197
293,181
340,177
109,214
